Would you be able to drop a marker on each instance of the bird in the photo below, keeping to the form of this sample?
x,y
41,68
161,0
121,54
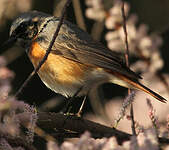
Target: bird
x,y
76,61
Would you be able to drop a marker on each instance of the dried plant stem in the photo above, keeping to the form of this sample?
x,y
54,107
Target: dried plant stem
x,y
97,30
132,118
78,14
47,51
127,64
127,101
152,116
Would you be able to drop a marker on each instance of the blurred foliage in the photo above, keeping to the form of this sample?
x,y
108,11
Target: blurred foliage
x,y
154,14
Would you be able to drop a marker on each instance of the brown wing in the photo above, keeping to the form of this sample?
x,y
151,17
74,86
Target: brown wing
x,y
75,44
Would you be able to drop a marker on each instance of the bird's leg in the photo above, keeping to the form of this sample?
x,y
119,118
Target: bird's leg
x,y
68,108
81,107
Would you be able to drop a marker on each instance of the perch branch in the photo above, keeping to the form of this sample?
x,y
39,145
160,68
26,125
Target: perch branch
x,y
73,126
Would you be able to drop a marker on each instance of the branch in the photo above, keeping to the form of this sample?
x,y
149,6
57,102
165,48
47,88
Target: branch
x,y
77,126
73,126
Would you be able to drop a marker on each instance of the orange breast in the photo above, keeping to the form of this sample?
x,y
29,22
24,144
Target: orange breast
x,y
57,68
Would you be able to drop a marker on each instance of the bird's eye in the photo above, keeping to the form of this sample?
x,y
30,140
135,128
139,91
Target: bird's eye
x,y
31,24
32,29
26,30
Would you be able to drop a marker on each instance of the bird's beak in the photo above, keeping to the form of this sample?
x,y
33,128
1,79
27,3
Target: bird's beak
x,y
8,44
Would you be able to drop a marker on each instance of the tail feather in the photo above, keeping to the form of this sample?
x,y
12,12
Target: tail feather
x,y
140,86
152,93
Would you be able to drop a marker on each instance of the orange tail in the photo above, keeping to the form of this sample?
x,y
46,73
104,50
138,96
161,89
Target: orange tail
x,y
140,86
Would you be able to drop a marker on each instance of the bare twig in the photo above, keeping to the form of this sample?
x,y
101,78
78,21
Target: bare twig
x,y
47,51
132,118
126,36
97,30
78,14
127,64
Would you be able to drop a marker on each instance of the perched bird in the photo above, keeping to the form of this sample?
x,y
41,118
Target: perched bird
x,y
76,60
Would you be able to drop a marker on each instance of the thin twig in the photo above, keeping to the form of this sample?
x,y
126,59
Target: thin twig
x,y
126,36
47,51
127,64
132,118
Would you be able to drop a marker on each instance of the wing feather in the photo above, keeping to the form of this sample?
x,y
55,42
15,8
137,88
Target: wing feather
x,y
77,45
